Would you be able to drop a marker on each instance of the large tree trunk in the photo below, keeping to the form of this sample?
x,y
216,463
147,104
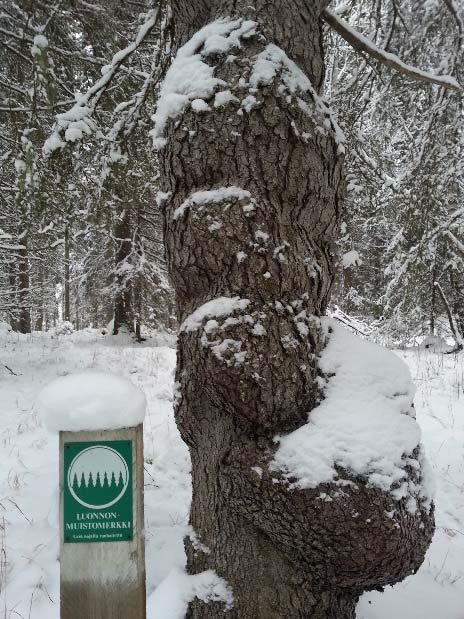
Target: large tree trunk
x,y
269,240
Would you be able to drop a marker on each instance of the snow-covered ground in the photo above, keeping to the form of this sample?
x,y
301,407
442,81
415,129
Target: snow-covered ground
x,y
29,569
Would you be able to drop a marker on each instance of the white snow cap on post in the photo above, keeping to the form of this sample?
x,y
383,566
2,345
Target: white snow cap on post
x,y
91,401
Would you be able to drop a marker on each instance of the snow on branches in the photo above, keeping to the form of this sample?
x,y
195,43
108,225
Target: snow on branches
x,y
364,45
71,126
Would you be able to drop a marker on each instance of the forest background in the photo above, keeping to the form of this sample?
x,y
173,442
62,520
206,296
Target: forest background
x,y
81,237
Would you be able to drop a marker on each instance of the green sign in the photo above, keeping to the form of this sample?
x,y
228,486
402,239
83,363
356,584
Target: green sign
x,y
97,493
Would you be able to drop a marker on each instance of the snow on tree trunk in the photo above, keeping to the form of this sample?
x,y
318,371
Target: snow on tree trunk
x,y
252,186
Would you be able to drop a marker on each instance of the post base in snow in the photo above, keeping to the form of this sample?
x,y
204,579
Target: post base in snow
x,y
91,600
102,554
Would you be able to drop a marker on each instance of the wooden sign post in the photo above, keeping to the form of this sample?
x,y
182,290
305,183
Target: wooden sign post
x,y
101,524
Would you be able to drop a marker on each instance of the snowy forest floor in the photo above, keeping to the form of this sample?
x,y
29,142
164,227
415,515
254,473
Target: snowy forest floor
x,y
29,539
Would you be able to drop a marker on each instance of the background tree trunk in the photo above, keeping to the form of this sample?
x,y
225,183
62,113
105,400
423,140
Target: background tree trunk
x,y
138,282
67,303
24,319
247,379
433,294
457,287
41,322
123,312
13,295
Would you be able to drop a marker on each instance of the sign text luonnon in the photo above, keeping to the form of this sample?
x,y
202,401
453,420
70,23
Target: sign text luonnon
x,y
97,491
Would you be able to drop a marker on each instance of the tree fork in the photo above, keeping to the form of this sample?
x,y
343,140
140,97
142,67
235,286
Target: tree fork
x,y
266,242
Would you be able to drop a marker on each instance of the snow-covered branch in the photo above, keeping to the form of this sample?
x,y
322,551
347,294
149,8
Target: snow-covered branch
x,y
71,125
456,242
363,45
457,16
129,111
415,250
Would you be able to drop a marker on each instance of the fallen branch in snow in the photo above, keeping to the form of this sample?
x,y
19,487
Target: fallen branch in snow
x,y
362,44
350,326
458,338
20,510
10,370
348,321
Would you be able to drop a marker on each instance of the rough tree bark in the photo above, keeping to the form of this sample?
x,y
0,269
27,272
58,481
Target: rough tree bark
x,y
283,552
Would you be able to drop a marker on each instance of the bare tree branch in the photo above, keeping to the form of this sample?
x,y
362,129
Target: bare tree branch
x,y
457,243
10,370
452,322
